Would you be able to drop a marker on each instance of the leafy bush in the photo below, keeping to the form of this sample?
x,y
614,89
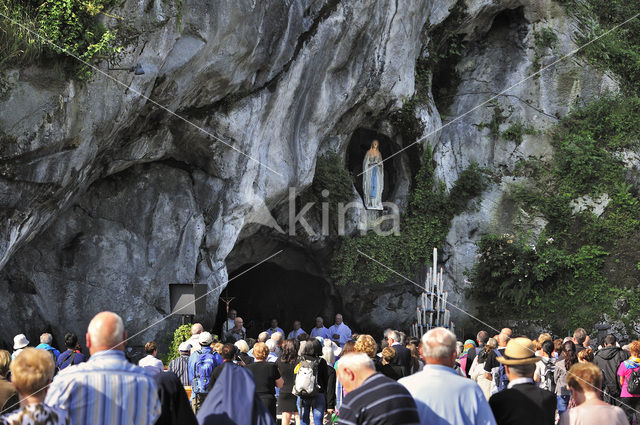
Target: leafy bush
x,y
516,131
580,262
180,335
69,25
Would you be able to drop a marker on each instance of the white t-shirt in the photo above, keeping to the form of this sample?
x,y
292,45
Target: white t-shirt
x,y
152,364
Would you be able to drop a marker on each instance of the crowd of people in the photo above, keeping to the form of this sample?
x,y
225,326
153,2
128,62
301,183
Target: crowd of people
x,y
330,375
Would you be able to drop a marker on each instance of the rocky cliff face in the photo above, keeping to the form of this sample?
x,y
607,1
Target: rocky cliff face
x,y
114,188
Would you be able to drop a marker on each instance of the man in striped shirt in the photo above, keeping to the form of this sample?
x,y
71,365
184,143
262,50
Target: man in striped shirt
x,y
372,398
107,389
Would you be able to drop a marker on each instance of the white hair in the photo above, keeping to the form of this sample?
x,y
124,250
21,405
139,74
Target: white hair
x,y
263,336
328,356
196,329
242,346
46,338
277,337
394,335
438,343
356,361
271,344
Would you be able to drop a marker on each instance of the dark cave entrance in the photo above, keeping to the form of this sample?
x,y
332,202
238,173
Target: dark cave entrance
x,y
269,291
359,145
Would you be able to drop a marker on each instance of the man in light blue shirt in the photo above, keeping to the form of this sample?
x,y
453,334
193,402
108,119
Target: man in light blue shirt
x,y
274,328
443,397
45,344
297,330
107,389
340,333
320,329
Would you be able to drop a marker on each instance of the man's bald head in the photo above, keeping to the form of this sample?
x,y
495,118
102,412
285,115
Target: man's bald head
x,y
196,329
106,332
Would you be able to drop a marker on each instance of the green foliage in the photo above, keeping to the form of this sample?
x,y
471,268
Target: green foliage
x,y
405,119
424,226
580,261
516,131
545,38
496,120
69,26
619,50
332,178
180,335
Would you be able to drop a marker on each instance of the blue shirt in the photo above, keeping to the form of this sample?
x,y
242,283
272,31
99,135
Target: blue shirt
x,y
323,332
271,331
443,397
48,348
106,390
294,334
343,332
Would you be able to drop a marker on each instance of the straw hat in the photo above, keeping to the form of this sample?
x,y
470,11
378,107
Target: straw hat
x,y
519,351
20,341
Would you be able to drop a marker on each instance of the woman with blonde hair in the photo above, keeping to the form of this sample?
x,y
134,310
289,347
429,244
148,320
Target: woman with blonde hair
x,y
31,374
584,380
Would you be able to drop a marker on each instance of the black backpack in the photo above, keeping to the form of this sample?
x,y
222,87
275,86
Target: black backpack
x,y
633,383
549,376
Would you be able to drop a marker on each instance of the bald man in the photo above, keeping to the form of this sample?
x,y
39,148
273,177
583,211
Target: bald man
x,y
371,397
107,389
339,333
196,330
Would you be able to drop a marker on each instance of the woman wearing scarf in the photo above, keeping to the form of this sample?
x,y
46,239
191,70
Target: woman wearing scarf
x,y
462,360
630,402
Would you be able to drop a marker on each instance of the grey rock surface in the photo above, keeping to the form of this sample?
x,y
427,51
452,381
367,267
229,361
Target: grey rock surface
x,y
114,188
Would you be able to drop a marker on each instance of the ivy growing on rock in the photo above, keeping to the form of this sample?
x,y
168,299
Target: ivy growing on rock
x,y
424,225
51,28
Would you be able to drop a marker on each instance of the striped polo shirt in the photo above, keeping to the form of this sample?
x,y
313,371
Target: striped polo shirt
x,y
106,390
379,400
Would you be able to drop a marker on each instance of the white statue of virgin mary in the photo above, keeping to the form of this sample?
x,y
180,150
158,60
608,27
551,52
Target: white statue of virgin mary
x,y
373,178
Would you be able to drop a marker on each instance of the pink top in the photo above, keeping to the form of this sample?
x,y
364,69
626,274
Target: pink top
x,y
624,370
593,414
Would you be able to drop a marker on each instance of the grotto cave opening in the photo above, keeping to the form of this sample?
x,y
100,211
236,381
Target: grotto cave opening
x,y
271,291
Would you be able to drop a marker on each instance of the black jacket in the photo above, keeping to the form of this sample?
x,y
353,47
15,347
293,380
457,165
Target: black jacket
x,y
524,404
403,358
608,359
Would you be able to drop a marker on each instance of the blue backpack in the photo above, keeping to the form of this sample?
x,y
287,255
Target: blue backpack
x,y
203,370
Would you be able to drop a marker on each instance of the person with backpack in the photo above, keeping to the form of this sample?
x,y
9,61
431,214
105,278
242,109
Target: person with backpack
x,y
72,356
311,382
494,370
629,373
608,359
568,358
201,365
266,376
546,367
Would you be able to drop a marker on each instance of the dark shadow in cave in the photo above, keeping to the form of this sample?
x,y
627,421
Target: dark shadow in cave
x,y
270,291
359,145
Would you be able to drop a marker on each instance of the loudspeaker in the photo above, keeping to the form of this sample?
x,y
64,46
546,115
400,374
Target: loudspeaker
x,y
188,298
